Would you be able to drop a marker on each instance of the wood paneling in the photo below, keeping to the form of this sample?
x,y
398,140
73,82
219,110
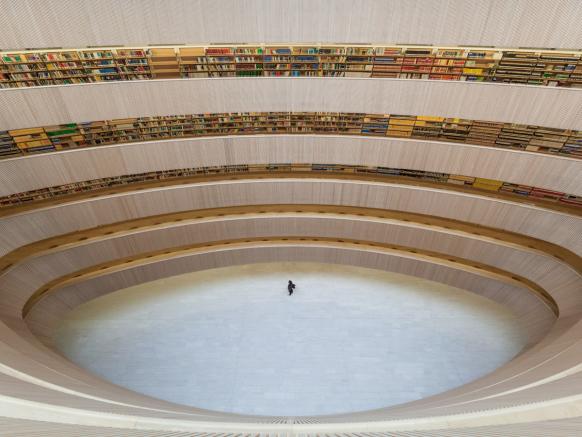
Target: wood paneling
x,y
49,310
140,276
559,280
539,170
549,367
70,23
541,272
552,226
542,428
281,237
29,274
43,106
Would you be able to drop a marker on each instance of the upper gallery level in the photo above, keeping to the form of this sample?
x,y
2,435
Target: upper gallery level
x,y
29,68
80,23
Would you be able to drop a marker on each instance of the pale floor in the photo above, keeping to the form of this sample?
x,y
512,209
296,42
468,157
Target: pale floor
x,y
349,339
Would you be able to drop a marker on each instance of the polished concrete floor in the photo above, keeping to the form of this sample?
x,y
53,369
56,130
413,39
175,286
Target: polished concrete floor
x,y
349,339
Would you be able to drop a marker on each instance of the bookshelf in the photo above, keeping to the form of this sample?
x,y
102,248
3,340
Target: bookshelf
x,y
530,138
65,68
192,62
517,67
417,63
427,127
133,64
24,70
387,62
66,136
304,61
448,64
555,68
248,61
359,61
32,140
221,62
40,68
375,124
332,61
164,63
8,146
400,126
485,133
277,61
483,185
100,65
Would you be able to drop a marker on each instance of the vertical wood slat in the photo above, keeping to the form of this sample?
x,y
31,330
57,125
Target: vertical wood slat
x,y
70,23
48,170
54,105
552,226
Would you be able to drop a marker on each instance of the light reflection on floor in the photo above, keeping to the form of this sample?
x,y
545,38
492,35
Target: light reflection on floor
x,y
349,339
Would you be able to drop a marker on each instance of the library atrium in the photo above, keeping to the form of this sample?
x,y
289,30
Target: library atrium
x,y
227,218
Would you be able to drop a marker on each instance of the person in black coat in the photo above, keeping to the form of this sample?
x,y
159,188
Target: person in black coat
x,y
290,287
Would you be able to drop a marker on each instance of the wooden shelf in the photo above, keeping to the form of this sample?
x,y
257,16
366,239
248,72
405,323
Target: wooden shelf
x,y
530,138
551,68
493,134
487,185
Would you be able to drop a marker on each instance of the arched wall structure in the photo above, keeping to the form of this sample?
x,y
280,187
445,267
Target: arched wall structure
x,y
48,170
524,252
42,106
108,23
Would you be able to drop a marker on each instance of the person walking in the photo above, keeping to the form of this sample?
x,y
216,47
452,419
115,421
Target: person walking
x,y
290,287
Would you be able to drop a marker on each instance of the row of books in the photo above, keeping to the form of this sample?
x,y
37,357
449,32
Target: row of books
x,y
89,134
481,184
552,68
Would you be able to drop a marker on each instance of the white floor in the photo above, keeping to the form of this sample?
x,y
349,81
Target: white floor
x,y
349,339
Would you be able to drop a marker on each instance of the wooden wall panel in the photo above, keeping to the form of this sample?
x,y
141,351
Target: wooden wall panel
x,y
22,280
46,170
44,316
537,105
541,428
44,268
70,23
31,23
27,391
46,368
436,419
531,264
30,226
